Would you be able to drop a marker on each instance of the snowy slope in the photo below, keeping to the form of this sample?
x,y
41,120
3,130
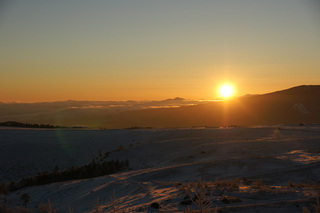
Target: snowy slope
x,y
161,160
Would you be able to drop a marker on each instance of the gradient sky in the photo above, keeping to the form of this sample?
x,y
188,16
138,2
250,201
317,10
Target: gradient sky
x,y
155,49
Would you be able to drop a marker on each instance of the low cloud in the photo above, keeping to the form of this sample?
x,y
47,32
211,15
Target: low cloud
x,y
81,113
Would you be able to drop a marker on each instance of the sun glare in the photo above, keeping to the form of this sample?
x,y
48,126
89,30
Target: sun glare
x,y
226,91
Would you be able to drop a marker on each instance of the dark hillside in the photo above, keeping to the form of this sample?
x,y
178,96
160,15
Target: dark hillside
x,y
292,106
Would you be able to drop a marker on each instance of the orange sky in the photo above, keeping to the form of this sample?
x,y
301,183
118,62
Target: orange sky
x,y
147,50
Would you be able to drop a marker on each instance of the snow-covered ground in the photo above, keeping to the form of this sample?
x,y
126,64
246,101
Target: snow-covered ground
x,y
166,163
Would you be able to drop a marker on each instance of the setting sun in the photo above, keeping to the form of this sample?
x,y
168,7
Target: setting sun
x,y
226,91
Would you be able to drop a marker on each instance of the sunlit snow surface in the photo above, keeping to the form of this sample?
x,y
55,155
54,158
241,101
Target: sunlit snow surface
x,y
162,158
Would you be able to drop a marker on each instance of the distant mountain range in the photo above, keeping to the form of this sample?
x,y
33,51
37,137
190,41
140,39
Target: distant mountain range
x,y
297,105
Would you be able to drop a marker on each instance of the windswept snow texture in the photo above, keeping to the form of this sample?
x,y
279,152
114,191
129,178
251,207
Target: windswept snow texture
x,y
163,159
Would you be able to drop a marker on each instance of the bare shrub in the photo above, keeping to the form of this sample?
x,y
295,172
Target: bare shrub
x,y
200,194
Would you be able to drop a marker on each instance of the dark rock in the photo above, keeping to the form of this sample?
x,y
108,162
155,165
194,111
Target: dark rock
x,y
186,202
155,205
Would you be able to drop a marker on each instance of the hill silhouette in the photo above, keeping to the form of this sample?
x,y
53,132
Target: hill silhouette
x,y
296,105
27,125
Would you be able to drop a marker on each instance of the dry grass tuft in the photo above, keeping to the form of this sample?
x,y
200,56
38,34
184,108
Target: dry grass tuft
x,y
47,208
229,185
